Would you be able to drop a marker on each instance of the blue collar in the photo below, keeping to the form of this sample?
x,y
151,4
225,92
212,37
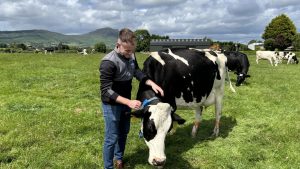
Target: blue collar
x,y
146,102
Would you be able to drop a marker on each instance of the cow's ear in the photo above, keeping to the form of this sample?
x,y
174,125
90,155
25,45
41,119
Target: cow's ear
x,y
138,113
177,118
248,76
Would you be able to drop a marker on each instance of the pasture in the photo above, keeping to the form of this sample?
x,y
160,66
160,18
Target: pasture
x,y
50,117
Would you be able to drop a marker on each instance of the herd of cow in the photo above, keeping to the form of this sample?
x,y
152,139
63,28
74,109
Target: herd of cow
x,y
277,57
190,78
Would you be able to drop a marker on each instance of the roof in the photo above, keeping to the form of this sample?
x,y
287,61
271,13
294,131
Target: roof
x,y
179,41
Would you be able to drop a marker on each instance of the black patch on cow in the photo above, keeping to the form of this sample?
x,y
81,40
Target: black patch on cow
x,y
295,59
149,129
213,53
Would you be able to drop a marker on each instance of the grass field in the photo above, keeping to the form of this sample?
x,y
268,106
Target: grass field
x,y
50,117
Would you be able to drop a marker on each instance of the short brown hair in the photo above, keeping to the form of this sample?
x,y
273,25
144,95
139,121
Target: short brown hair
x,y
126,35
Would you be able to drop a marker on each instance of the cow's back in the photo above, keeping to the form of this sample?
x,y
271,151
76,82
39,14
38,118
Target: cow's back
x,y
265,54
185,73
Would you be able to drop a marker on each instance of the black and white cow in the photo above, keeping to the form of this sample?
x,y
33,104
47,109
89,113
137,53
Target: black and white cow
x,y
82,51
238,62
189,78
48,49
289,56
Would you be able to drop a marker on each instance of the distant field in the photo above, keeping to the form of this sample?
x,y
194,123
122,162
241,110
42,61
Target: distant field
x,y
50,117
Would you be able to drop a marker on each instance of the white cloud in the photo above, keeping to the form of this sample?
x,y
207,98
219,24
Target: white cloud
x,y
230,20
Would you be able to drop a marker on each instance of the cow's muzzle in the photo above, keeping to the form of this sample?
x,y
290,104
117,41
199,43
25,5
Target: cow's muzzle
x,y
158,162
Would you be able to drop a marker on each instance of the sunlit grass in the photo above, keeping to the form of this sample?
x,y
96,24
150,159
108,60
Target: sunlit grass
x,y
50,117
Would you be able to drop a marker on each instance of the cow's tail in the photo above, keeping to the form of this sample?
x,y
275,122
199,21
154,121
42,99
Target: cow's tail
x,y
230,84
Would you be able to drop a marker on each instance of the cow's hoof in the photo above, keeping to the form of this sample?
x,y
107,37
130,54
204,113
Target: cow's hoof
x,y
214,135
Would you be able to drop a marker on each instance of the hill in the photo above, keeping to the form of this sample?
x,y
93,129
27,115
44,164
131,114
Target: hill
x,y
46,38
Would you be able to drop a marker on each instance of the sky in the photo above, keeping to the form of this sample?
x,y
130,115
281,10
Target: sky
x,y
220,20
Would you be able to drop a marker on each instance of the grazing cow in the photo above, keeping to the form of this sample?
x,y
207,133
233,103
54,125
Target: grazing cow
x,y
83,51
49,49
289,56
238,62
37,50
269,55
190,78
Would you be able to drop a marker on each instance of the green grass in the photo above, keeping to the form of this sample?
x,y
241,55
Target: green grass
x,y
50,117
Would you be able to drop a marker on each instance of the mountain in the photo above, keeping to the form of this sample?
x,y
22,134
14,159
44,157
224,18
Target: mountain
x,y
46,38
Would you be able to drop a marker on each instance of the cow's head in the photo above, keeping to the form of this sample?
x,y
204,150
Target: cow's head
x,y
157,121
295,59
241,78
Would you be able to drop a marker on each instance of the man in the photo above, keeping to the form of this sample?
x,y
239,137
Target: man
x,y
116,72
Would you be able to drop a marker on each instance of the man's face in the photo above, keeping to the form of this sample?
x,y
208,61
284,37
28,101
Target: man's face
x,y
126,49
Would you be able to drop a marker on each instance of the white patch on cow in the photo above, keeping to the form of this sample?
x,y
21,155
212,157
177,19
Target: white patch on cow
x,y
156,56
183,77
178,57
181,104
211,57
241,74
161,115
207,54
192,82
201,50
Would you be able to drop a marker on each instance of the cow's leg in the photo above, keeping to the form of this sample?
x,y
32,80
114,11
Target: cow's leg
x,y
218,109
270,61
178,120
198,119
275,61
289,60
256,59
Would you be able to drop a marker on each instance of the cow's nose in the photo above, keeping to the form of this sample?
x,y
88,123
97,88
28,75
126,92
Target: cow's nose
x,y
158,162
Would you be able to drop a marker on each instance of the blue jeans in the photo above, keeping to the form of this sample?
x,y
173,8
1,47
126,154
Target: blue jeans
x,y
117,125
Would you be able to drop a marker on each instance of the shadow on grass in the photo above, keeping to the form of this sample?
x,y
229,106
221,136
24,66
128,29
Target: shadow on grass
x,y
181,142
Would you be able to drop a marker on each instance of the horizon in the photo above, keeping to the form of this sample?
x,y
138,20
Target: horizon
x,y
236,21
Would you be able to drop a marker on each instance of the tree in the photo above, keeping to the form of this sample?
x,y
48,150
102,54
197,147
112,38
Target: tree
x,y
269,44
142,39
61,46
3,45
228,46
22,46
252,41
282,30
100,47
154,36
296,41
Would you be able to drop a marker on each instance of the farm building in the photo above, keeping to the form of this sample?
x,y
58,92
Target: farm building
x,y
255,45
158,44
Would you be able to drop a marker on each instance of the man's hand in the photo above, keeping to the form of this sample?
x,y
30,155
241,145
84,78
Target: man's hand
x,y
155,87
134,104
